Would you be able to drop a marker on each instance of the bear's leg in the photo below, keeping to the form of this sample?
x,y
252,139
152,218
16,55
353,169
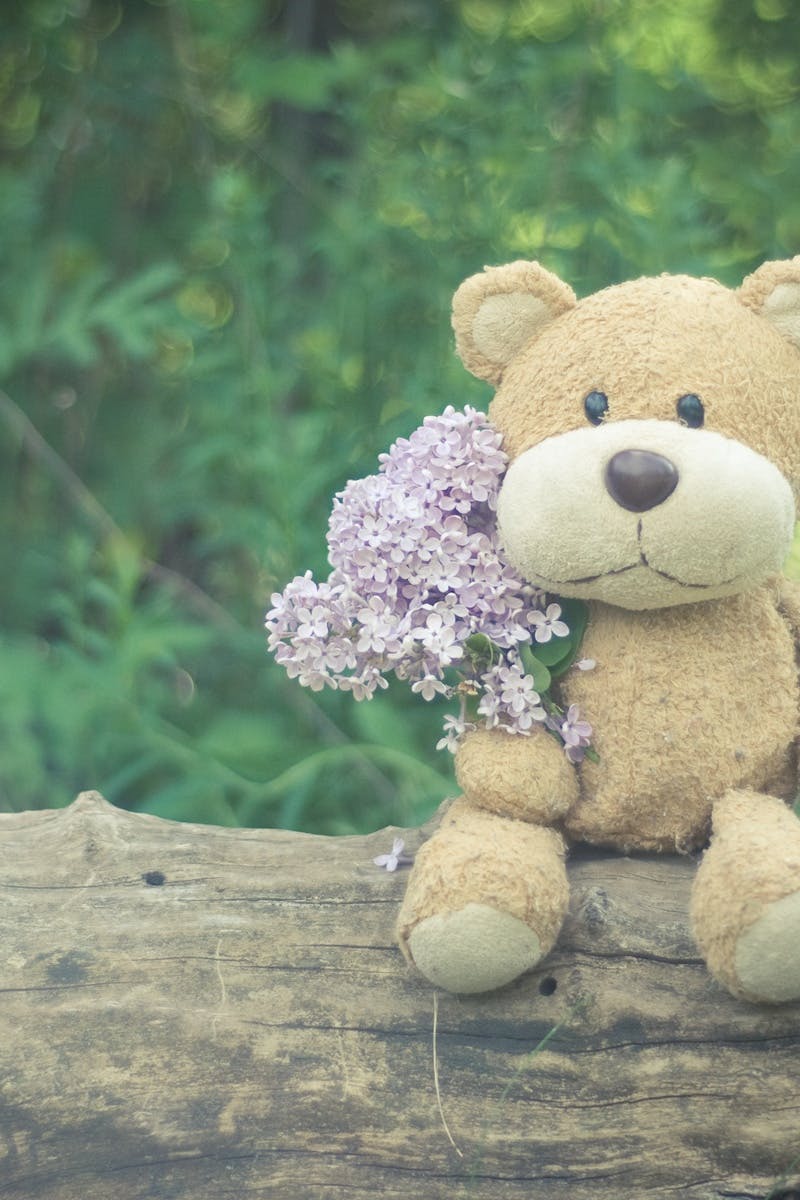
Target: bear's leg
x,y
485,900
746,898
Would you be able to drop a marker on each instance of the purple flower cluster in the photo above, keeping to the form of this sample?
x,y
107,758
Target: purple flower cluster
x,y
419,587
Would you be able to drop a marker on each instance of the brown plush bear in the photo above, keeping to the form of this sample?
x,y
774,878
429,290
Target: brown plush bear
x,y
654,437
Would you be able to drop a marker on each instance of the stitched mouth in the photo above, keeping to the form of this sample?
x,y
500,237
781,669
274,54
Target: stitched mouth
x,y
643,562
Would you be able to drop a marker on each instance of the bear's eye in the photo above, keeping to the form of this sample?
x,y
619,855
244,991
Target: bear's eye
x,y
596,406
691,411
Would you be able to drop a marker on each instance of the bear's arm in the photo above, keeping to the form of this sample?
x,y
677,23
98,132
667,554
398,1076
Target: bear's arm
x,y
528,778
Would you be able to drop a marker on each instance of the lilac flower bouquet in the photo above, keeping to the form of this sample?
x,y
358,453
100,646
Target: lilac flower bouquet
x,y
420,588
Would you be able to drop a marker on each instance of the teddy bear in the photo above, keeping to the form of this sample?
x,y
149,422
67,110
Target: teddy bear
x,y
653,432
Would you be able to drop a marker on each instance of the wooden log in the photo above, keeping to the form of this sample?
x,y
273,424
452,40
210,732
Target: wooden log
x,y
195,1013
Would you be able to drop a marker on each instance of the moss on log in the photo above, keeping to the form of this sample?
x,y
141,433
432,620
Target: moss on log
x,y
189,1012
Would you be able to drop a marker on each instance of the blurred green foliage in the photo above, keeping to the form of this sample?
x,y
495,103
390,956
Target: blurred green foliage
x,y
230,233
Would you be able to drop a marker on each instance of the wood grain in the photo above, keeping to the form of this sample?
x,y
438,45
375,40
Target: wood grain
x,y
188,1013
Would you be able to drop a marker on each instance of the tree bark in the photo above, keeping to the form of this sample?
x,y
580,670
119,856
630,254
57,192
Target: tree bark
x,y
196,1013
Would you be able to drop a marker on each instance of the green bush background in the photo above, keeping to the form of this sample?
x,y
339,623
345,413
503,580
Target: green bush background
x,y
229,234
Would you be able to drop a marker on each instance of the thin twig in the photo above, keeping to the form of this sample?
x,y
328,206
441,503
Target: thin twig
x,y
436,1076
41,450
206,606
99,518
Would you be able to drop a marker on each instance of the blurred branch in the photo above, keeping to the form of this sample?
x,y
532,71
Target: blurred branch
x,y
289,160
185,60
206,606
294,125
99,519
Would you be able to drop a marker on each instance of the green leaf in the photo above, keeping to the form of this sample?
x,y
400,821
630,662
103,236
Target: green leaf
x,y
553,652
302,80
560,652
536,668
576,615
481,649
377,722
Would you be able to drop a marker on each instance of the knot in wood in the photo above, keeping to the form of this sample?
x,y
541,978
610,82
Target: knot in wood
x,y
594,908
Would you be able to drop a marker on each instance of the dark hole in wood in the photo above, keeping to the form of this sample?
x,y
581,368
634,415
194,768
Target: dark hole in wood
x,y
154,878
790,1194
548,986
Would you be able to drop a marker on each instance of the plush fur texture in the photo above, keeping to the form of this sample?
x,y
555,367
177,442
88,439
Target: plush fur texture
x,y
747,878
692,701
647,343
524,777
476,858
495,314
737,504
695,700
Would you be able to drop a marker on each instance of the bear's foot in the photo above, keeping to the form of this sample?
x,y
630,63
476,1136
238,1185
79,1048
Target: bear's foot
x,y
767,957
485,900
746,899
475,949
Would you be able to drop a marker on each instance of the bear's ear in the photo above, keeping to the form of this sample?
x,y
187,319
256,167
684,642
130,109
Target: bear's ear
x,y
773,291
497,312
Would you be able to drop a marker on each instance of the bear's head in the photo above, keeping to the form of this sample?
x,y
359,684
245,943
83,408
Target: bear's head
x,y
653,429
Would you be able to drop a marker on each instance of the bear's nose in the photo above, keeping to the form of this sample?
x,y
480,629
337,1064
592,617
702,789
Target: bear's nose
x,y
639,479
